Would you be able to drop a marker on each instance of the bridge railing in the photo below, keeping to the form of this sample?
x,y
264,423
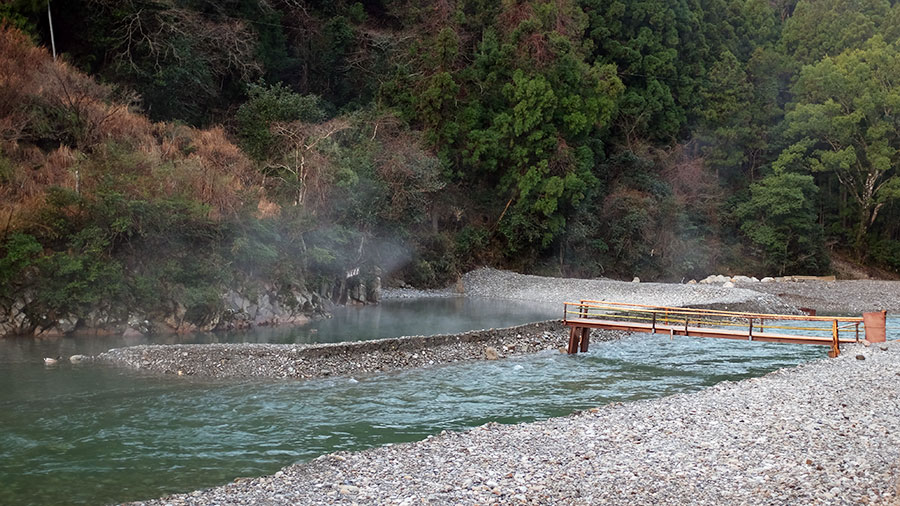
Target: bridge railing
x,y
840,329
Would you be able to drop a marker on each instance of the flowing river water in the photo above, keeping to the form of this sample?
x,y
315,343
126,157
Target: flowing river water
x,y
95,434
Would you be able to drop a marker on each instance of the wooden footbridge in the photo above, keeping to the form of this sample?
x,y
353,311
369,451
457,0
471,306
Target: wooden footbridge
x,y
831,331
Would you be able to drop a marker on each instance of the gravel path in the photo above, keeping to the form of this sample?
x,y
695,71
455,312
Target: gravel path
x,y
822,433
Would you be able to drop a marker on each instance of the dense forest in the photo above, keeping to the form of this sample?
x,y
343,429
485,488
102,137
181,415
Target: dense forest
x,y
175,148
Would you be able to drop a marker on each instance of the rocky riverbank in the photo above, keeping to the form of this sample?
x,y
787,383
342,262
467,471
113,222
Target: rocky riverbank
x,y
344,359
836,297
821,433
355,358
510,285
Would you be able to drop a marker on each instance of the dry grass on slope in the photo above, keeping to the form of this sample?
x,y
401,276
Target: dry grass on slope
x,y
59,127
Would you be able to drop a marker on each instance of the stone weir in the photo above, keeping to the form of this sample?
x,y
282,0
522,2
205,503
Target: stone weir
x,y
357,358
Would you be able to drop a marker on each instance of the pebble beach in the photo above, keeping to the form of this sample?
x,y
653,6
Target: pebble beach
x,y
821,433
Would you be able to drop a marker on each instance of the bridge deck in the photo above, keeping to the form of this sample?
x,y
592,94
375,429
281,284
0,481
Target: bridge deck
x,y
829,331
680,330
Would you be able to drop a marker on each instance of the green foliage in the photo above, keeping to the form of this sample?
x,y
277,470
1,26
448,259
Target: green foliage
x,y
828,27
519,118
565,118
20,252
728,119
270,104
21,14
886,252
436,264
77,280
843,124
780,219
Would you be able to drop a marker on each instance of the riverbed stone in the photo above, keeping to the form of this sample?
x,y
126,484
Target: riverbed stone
x,y
785,438
67,324
301,361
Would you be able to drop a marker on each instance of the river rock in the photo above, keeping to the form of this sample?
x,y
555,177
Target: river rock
x,y
491,353
348,489
373,292
67,325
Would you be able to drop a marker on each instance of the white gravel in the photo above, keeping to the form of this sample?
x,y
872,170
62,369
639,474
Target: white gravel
x,y
510,285
845,296
355,358
822,433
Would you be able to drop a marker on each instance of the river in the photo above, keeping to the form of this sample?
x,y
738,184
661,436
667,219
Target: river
x,y
94,434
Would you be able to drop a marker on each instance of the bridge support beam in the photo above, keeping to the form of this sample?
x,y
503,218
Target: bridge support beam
x,y
579,339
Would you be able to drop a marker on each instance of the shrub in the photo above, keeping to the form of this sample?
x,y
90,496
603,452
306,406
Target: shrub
x,y
269,104
780,220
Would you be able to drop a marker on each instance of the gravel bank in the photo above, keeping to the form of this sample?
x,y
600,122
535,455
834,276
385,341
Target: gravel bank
x,y
344,359
356,358
821,433
853,297
509,285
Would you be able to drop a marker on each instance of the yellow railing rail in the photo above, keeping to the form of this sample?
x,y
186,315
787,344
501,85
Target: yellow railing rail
x,y
685,310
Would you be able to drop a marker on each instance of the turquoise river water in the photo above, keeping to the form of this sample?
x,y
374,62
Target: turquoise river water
x,y
96,434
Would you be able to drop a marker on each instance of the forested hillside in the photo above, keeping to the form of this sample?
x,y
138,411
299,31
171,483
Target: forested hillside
x,y
180,147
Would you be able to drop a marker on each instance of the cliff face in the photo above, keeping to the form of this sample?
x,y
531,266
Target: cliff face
x,y
247,306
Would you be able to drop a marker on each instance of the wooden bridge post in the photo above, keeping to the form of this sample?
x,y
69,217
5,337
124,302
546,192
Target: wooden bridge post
x,y
574,338
835,341
875,323
585,339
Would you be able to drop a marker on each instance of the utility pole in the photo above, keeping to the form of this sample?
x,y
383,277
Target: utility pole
x,y
52,39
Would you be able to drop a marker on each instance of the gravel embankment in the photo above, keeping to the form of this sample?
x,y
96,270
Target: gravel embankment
x,y
341,359
821,433
847,296
510,285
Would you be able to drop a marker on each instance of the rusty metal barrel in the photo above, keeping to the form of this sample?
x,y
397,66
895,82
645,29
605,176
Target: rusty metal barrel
x,y
876,323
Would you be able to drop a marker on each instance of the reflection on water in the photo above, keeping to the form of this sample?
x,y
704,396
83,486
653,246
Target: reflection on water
x,y
95,434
